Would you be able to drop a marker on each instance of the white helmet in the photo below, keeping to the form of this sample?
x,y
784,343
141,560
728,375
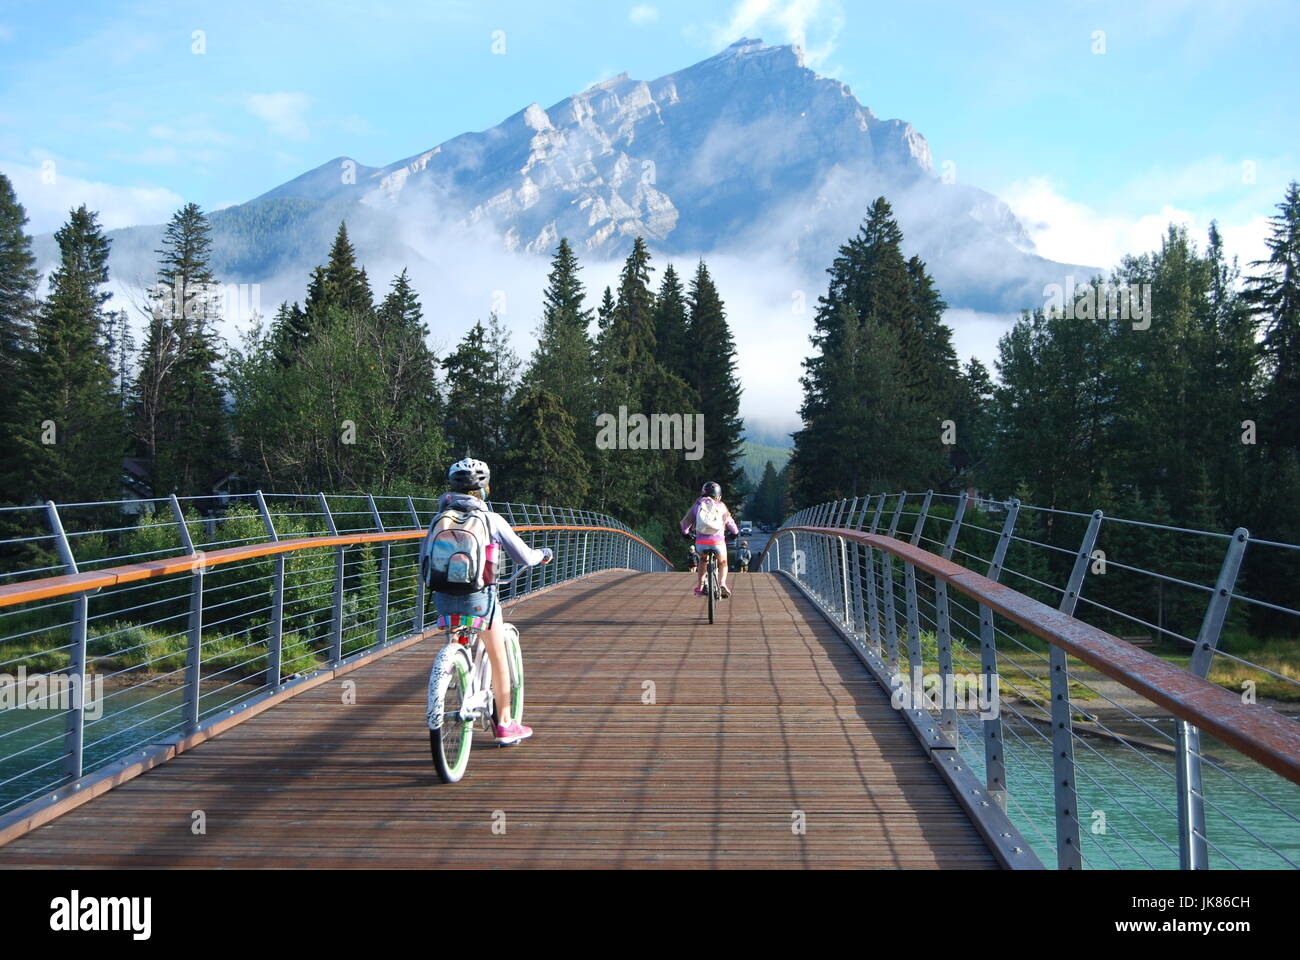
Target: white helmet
x,y
468,475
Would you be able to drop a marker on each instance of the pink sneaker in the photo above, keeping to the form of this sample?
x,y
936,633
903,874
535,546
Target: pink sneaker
x,y
699,591
512,732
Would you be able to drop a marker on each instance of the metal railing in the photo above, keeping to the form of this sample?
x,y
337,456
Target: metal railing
x,y
130,625
994,626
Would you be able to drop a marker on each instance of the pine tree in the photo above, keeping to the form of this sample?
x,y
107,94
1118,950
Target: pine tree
x,y
879,323
18,306
1274,292
625,364
179,405
72,443
710,367
545,465
289,331
672,335
400,309
605,312
765,504
480,381
564,363
340,285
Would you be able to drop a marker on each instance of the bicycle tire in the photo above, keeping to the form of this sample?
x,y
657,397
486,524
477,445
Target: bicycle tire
x,y
709,588
450,740
515,661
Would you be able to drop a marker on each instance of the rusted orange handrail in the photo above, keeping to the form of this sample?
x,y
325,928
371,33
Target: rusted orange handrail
x,y
46,588
1264,735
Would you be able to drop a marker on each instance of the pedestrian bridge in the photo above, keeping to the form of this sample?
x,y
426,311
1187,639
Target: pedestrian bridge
x,y
263,706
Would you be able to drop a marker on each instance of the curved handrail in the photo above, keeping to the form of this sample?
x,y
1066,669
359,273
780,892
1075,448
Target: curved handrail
x,y
45,588
1256,731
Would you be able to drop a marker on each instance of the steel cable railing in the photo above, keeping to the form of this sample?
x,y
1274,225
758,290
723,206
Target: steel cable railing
x,y
129,625
1083,737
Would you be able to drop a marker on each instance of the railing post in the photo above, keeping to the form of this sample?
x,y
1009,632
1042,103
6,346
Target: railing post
x,y
1069,853
336,623
915,661
875,518
194,651
385,566
948,716
418,620
887,575
994,760
873,604
74,736
844,581
1193,850
275,651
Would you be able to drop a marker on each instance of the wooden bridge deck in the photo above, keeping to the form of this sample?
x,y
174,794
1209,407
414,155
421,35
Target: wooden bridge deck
x,y
761,715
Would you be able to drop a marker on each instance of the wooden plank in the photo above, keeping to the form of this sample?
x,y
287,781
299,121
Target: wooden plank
x,y
757,721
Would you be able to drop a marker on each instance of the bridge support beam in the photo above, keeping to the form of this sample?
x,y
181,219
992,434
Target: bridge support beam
x,y
1193,850
1069,853
994,760
74,734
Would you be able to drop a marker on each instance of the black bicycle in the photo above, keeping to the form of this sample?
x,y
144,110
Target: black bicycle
x,y
711,588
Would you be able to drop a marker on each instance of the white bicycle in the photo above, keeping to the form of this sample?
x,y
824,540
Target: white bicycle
x,y
460,694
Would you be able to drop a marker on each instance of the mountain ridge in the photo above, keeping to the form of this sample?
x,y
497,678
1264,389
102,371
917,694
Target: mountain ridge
x,y
748,151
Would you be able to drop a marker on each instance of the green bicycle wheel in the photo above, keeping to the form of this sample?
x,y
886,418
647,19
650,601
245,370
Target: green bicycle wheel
x,y
515,661
450,741
515,654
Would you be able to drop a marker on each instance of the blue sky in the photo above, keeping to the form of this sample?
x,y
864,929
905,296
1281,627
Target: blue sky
x,y
1188,113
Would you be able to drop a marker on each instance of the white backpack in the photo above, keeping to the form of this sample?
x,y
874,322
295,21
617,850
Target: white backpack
x,y
456,558
710,518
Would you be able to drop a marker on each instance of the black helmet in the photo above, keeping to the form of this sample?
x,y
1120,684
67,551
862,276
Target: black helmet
x,y
711,489
468,475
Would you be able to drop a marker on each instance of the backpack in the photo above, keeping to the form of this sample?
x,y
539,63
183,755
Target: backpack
x,y
458,558
710,517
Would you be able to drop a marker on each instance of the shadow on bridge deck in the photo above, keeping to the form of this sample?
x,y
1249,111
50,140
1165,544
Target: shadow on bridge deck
x,y
756,717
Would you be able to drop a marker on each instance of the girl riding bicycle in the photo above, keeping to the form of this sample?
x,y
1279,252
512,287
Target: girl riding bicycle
x,y
468,480
712,522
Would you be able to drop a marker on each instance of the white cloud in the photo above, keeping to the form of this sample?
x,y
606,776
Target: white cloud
x,y
47,204
976,334
284,113
643,14
1073,232
791,21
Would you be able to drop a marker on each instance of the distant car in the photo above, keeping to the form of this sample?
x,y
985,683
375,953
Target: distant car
x,y
746,528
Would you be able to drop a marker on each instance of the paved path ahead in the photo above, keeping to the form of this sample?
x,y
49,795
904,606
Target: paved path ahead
x,y
662,741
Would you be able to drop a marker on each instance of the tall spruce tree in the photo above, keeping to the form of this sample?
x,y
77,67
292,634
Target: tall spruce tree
x,y
880,322
544,464
18,306
563,364
480,384
73,439
672,336
1274,293
710,371
339,286
179,409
